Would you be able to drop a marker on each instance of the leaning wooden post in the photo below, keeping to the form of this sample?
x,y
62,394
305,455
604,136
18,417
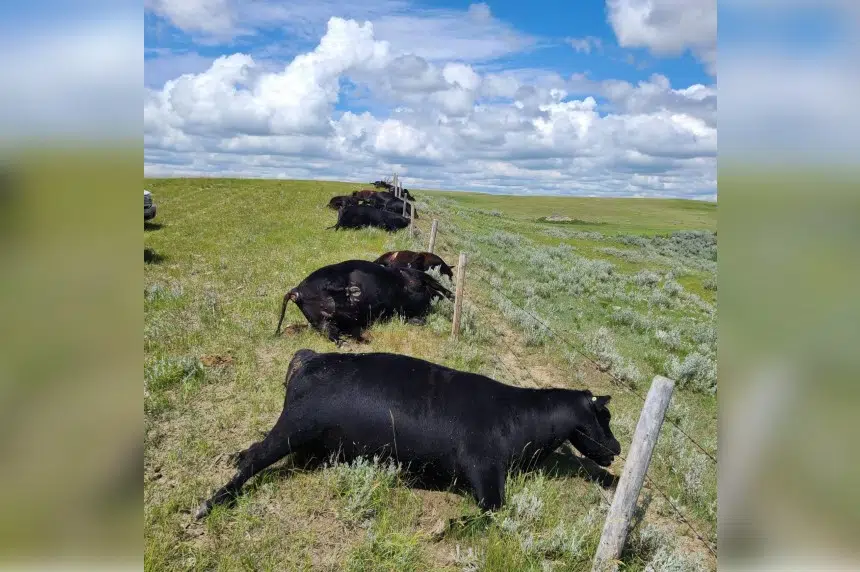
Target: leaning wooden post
x,y
617,523
432,236
411,219
458,295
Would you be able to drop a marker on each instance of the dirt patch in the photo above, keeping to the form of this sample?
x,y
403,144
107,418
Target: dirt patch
x,y
215,360
437,507
293,329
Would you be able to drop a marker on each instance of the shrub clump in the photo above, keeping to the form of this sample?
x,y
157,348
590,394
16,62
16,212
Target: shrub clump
x,y
671,338
672,288
165,373
363,486
632,318
633,240
646,278
696,371
625,254
660,547
528,518
534,333
505,239
601,346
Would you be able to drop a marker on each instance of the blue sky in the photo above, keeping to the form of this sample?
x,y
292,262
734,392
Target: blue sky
x,y
544,97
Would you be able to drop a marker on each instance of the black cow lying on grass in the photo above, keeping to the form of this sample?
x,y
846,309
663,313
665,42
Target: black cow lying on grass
x,y
390,187
429,417
419,260
361,216
372,198
383,200
347,297
364,193
337,203
395,205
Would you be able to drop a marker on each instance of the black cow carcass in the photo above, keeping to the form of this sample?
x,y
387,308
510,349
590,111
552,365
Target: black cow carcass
x,y
384,200
395,205
337,203
419,260
347,297
433,419
360,216
387,201
388,186
364,193
374,199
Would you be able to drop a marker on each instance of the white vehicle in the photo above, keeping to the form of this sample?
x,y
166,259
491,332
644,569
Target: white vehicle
x,y
149,207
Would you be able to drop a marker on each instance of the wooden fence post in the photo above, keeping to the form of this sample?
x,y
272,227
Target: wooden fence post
x,y
458,295
432,243
411,219
404,208
617,523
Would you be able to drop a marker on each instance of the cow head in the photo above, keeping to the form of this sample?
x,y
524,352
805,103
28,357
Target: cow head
x,y
592,435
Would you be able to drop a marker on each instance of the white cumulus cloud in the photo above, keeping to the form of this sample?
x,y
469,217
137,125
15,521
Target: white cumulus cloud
x,y
208,16
667,27
439,124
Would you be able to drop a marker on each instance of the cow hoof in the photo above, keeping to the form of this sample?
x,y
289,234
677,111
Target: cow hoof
x,y
203,510
353,293
235,458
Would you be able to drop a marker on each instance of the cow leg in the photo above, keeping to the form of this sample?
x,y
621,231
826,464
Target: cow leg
x,y
333,333
488,485
284,438
357,333
417,321
328,329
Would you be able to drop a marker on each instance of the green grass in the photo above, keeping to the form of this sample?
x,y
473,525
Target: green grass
x,y
213,372
607,215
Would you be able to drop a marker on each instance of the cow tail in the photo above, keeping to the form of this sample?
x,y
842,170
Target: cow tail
x,y
291,295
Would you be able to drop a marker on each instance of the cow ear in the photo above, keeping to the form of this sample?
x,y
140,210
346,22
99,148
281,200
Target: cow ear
x,y
601,400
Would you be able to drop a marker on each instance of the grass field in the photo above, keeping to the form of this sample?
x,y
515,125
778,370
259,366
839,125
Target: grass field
x,y
609,283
